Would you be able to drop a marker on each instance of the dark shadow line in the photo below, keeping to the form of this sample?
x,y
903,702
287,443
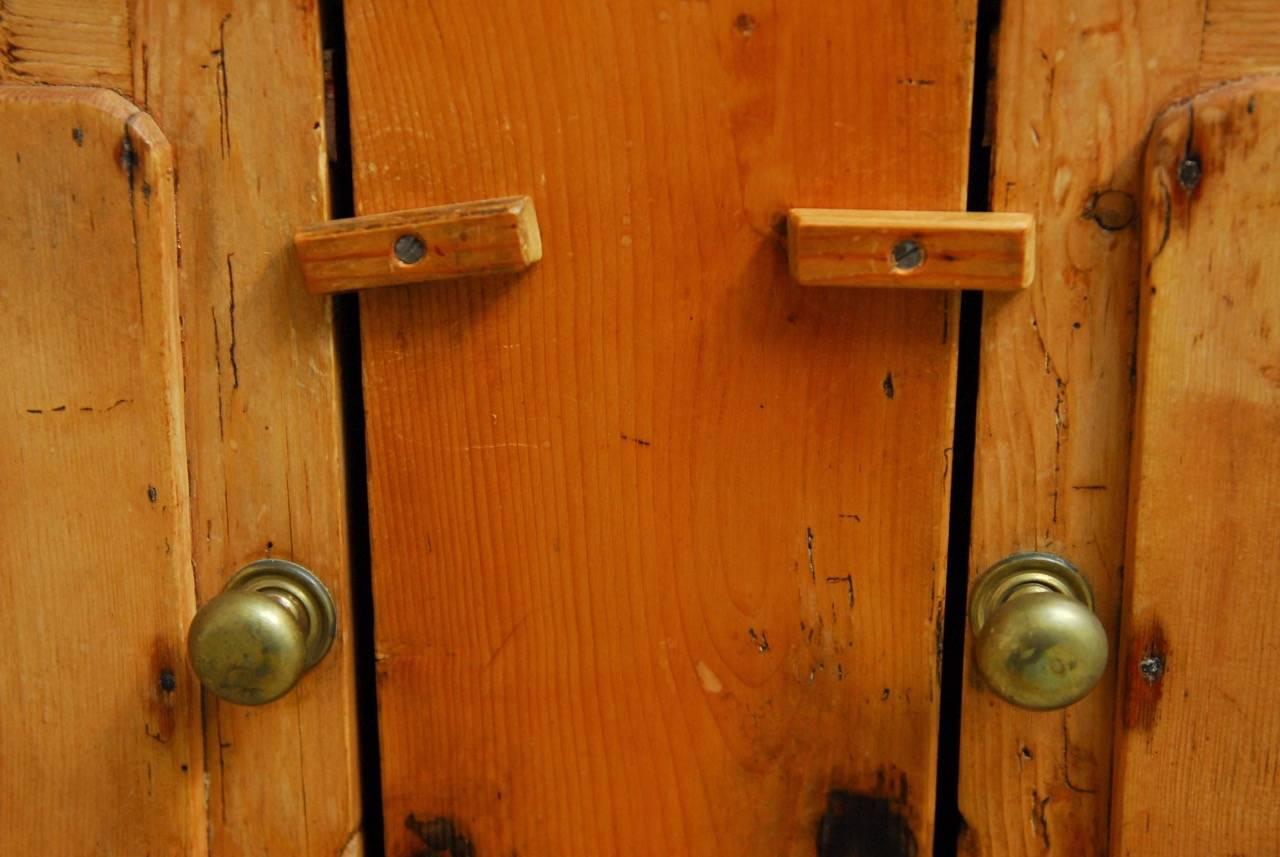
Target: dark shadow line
x,y
950,824
346,318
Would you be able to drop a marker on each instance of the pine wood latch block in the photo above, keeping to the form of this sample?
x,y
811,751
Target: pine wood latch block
x,y
492,236
992,251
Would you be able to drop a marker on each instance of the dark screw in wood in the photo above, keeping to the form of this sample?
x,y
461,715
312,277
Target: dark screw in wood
x,y
907,254
1189,172
1151,667
410,249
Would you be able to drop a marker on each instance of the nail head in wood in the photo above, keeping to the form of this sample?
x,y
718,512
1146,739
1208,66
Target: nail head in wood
x,y
492,236
911,249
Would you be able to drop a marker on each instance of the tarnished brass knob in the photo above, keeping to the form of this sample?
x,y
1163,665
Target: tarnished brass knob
x,y
251,644
1038,643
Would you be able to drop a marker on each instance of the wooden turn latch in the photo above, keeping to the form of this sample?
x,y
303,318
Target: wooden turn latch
x,y
827,247
492,236
992,251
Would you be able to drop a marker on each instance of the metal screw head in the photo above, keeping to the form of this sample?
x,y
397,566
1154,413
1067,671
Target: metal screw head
x,y
1151,667
1189,172
907,254
410,248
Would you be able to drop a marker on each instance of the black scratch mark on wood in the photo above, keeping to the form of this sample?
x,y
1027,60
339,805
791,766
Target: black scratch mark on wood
x,y
224,97
847,580
217,365
813,566
129,163
761,639
231,312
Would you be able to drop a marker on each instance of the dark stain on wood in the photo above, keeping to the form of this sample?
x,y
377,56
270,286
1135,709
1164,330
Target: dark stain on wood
x,y
161,714
1146,665
868,825
441,835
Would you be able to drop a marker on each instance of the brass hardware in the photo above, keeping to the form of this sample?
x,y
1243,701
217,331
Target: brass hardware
x,y
1038,643
252,643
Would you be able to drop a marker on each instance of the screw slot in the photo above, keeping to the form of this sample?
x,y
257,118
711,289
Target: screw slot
x,y
410,249
907,255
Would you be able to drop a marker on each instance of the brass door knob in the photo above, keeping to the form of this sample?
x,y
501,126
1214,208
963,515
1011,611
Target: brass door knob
x,y
252,643
1038,643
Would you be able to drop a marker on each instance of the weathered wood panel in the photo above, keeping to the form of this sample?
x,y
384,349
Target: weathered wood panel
x,y
87,42
1077,87
659,535
1198,740
100,716
238,86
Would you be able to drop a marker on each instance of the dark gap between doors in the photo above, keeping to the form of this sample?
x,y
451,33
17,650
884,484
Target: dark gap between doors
x,y
949,822
346,317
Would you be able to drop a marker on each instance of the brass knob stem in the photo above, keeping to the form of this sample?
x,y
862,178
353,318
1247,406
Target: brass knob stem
x,y
1037,641
252,643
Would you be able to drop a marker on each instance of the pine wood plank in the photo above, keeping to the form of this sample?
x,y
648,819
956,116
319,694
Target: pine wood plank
x,y
238,87
445,242
100,715
911,249
1077,87
659,535
86,42
1198,733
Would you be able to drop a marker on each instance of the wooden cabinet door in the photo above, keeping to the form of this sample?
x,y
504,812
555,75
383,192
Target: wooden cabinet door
x,y
147,285
1198,736
1078,87
658,535
97,708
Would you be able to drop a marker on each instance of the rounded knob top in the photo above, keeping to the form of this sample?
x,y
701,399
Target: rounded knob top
x,y
247,647
1042,650
1038,643
253,642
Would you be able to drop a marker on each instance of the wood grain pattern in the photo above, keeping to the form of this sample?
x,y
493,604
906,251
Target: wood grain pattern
x,y
492,236
1238,39
87,42
238,87
1077,87
101,717
957,250
659,535
1198,740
